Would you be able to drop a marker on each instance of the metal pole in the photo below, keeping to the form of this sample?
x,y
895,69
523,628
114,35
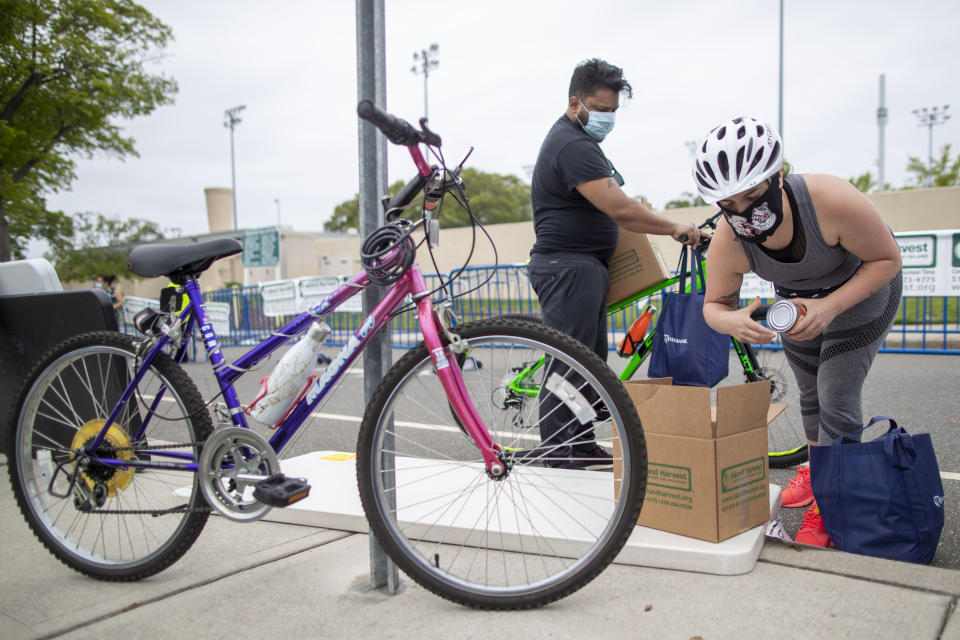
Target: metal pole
x,y
930,155
371,85
780,118
232,120
233,180
426,76
881,123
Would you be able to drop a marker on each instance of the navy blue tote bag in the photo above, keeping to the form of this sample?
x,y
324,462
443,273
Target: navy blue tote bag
x,y
881,498
684,347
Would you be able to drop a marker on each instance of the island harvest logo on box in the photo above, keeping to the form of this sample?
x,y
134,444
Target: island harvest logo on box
x,y
669,476
740,475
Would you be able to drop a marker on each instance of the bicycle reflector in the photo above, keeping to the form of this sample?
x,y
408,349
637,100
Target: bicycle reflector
x,y
634,337
387,253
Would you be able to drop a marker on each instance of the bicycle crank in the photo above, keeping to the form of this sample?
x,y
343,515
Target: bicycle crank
x,y
233,462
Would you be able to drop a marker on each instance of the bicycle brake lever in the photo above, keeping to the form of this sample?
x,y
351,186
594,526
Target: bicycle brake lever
x,y
428,136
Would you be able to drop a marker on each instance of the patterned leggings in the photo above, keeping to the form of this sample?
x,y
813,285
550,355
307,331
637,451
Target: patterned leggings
x,y
831,368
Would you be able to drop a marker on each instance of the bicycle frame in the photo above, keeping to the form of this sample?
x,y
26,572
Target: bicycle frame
x,y
194,315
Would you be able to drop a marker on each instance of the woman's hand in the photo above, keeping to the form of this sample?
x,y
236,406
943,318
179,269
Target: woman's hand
x,y
820,312
741,326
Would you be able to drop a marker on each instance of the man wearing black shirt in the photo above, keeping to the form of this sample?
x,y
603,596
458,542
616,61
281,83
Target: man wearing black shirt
x,y
578,209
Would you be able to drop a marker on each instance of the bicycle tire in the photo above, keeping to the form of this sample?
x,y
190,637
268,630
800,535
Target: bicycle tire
x,y
512,553
786,438
62,404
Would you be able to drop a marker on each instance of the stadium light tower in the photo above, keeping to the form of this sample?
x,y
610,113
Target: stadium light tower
x,y
232,120
929,118
425,61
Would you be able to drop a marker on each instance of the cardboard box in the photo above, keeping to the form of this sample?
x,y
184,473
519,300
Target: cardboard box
x,y
636,264
707,472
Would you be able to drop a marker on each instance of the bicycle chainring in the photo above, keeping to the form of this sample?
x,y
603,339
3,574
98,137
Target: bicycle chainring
x,y
228,455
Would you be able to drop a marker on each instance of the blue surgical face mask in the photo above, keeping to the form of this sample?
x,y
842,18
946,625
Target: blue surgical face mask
x,y
599,124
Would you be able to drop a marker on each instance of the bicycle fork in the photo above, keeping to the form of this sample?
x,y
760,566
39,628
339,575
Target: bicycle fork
x,y
452,380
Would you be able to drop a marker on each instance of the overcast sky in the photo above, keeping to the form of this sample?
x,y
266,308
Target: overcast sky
x,y
502,80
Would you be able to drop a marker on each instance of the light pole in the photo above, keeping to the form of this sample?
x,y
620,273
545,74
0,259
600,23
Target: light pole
x,y
928,118
881,123
232,120
276,201
425,60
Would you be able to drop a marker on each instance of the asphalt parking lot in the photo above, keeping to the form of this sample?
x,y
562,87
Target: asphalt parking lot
x,y
919,391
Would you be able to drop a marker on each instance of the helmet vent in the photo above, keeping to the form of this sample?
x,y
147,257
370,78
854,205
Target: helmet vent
x,y
760,130
709,170
740,161
742,131
774,154
724,165
722,132
756,161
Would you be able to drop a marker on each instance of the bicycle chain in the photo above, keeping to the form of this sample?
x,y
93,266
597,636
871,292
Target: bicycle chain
x,y
151,512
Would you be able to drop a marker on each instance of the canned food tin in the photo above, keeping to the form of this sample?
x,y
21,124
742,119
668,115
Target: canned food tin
x,y
783,315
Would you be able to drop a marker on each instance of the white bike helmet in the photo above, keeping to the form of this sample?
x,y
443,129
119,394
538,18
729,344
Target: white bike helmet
x,y
735,156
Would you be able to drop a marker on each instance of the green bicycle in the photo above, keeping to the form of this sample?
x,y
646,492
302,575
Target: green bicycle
x,y
787,443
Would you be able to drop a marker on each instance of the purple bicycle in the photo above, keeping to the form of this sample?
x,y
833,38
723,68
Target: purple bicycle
x,y
116,462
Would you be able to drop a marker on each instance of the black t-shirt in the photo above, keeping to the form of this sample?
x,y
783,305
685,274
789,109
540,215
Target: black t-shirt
x,y
563,219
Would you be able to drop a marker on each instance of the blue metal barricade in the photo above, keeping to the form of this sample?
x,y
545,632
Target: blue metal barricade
x,y
923,324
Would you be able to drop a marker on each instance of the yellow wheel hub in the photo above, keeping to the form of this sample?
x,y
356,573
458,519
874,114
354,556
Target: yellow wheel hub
x,y
114,477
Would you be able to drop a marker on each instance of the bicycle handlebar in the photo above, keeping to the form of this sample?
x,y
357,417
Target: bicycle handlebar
x,y
709,223
396,130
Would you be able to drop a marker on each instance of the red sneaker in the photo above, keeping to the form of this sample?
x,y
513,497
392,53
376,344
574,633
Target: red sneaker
x,y
811,531
799,493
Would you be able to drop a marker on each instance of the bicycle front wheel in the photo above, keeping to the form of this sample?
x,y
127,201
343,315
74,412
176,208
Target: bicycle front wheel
x,y
551,524
108,522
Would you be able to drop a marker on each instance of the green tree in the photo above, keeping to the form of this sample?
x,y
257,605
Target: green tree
x,y
493,197
686,199
100,245
943,172
69,70
865,182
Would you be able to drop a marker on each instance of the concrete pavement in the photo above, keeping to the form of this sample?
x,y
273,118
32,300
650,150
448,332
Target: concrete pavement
x,y
269,580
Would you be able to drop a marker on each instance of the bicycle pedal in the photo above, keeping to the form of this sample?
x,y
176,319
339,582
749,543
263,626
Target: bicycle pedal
x,y
280,491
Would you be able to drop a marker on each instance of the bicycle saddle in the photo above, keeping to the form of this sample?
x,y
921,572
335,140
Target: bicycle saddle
x,y
179,261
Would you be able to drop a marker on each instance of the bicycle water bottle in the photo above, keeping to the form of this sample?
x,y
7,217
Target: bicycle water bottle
x,y
289,377
634,337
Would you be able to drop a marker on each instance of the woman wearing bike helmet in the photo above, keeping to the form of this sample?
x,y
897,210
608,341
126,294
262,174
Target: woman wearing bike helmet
x,y
824,246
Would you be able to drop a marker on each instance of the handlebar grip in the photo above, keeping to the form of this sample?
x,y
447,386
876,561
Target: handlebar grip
x,y
397,131
683,238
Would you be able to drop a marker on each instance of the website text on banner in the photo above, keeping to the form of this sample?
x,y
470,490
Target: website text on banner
x,y
931,266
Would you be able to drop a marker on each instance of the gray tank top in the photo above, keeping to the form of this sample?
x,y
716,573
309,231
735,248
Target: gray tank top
x,y
822,269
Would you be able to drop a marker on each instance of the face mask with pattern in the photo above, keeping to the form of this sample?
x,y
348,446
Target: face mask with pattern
x,y
761,218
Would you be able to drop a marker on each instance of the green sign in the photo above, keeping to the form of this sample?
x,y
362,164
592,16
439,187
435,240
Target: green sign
x,y
261,247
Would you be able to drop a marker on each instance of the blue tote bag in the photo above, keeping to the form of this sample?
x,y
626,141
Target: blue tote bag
x,y
684,347
881,498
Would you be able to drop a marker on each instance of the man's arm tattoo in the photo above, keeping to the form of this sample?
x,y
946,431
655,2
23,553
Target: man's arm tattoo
x,y
731,300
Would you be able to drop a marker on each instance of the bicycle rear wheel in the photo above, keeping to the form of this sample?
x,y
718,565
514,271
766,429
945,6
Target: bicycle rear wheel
x,y
531,537
108,522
